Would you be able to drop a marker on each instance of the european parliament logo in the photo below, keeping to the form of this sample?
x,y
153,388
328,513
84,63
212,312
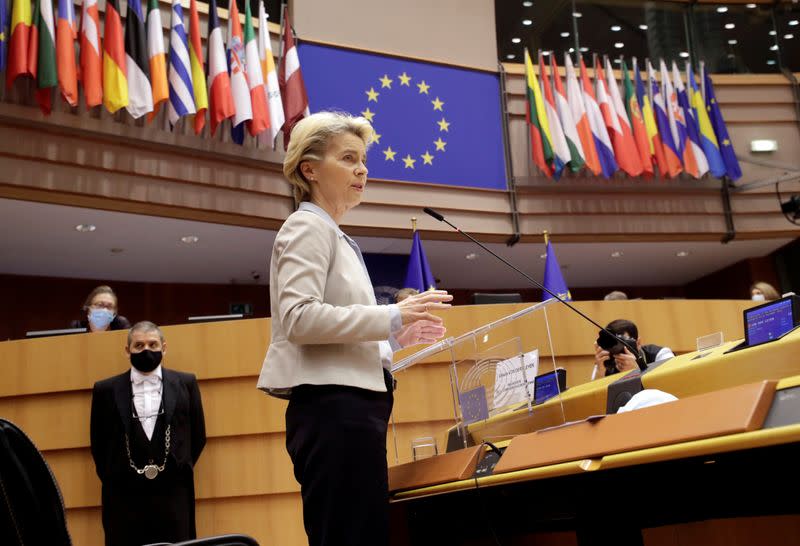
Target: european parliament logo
x,y
434,123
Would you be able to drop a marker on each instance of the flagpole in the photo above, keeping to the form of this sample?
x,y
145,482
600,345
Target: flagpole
x,y
413,224
546,236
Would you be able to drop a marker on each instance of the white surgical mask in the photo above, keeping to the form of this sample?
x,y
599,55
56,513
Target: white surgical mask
x,y
758,297
100,318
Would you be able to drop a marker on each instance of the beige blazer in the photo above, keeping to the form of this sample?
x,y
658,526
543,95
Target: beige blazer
x,y
326,326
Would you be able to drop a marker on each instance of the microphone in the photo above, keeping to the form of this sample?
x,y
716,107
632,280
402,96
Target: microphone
x,y
631,345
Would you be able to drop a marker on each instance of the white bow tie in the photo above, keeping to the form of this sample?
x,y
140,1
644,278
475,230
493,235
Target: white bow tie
x,y
140,379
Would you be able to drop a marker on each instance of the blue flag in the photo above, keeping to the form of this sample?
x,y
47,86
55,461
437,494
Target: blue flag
x,y
732,167
553,279
3,33
419,274
435,124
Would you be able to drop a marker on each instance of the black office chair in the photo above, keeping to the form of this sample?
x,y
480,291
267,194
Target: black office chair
x,y
31,506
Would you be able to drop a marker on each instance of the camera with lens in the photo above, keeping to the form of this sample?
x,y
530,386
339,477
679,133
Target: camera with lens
x,y
616,345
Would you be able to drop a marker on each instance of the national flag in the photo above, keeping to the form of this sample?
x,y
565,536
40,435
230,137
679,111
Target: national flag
x,y
732,168
708,139
695,161
602,142
637,121
628,156
237,69
181,89
672,156
557,139
198,72
21,23
654,143
220,99
140,94
576,153
578,109
290,80
66,34
553,278
43,54
3,34
91,73
157,56
270,78
418,274
538,141
255,78
115,81
678,131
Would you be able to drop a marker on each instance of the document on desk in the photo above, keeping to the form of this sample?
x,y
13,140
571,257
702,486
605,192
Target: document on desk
x,y
514,379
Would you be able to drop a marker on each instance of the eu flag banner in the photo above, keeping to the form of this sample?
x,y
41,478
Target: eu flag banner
x,y
435,124
419,274
553,279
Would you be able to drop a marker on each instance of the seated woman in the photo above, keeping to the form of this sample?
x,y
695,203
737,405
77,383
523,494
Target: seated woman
x,y
762,291
101,312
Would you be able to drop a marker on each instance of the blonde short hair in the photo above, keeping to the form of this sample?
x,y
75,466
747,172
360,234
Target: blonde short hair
x,y
309,140
769,291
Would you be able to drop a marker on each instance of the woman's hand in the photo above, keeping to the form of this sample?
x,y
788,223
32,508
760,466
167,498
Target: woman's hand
x,y
417,307
421,331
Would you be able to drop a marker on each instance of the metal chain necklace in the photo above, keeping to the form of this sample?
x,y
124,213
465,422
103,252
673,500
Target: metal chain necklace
x,y
151,470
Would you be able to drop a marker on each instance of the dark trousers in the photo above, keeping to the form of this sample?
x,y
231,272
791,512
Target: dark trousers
x,y
336,438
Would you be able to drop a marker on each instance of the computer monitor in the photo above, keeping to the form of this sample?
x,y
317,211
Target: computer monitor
x,y
770,321
50,333
480,298
548,385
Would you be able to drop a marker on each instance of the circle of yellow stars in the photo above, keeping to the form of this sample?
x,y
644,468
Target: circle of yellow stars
x,y
405,80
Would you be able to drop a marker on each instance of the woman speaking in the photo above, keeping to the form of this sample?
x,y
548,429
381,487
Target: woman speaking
x,y
331,346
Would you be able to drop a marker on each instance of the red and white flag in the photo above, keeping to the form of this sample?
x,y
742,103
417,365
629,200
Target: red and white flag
x,y
290,79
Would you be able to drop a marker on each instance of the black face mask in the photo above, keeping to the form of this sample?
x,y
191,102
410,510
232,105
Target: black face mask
x,y
146,361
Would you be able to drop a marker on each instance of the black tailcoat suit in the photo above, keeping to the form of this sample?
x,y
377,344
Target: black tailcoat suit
x,y
137,510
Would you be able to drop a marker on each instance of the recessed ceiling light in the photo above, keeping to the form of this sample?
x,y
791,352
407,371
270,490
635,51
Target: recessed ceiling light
x,y
543,256
471,256
619,45
684,54
85,228
788,36
572,50
618,61
794,23
616,28
577,14
545,53
117,250
771,62
527,4
730,26
733,42
722,9
772,33
511,56
774,48
750,6
516,40
190,239
527,22
642,27
584,49
565,34
617,254
682,253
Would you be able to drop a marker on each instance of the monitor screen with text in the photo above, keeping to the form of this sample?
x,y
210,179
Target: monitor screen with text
x,y
768,322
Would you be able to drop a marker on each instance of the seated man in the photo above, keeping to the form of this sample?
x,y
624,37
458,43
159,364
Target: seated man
x,y
404,293
147,432
607,364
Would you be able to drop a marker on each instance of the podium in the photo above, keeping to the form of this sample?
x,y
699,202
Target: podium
x,y
492,374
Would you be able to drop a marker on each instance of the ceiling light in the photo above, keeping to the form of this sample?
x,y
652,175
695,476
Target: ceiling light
x,y
772,33
771,62
788,36
763,145
682,253
730,26
543,256
642,27
618,61
722,9
511,56
793,23
190,239
516,40
619,45
527,4
577,14
616,28
565,34
471,256
774,48
750,6
545,53
684,54
85,228
733,42
572,50
527,22
584,49
117,250
616,254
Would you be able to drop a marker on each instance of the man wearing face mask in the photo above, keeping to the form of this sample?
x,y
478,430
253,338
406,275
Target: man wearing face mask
x,y
147,432
101,312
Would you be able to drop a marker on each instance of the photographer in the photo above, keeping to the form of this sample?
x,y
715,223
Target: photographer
x,y
619,358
